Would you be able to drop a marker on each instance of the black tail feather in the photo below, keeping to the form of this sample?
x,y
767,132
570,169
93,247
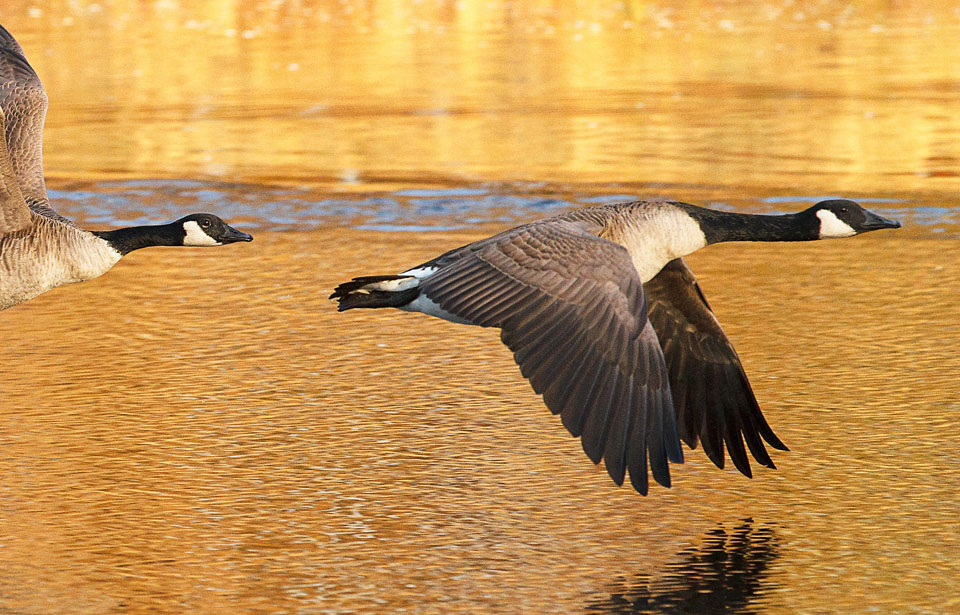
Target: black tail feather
x,y
352,294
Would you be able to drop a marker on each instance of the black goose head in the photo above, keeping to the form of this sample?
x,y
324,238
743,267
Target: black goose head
x,y
192,230
843,218
208,230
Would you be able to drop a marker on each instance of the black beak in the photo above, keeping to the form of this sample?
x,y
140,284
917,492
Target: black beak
x,y
873,222
232,235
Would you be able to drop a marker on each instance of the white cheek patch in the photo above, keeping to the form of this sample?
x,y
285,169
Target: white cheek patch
x,y
196,236
832,226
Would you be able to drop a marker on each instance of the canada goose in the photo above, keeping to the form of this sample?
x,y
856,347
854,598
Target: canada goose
x,y
39,249
609,325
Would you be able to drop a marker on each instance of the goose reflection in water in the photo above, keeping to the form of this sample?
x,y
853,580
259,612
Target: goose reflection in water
x,y
721,576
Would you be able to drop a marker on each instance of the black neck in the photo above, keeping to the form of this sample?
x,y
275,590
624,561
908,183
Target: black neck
x,y
126,240
720,226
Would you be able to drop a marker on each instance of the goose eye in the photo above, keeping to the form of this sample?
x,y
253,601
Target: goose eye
x,y
843,210
205,223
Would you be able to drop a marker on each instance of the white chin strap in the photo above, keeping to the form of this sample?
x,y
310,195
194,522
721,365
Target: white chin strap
x,y
196,236
832,226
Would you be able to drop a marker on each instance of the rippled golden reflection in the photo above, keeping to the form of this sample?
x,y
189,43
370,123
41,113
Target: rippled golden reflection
x,y
159,454
200,432
752,95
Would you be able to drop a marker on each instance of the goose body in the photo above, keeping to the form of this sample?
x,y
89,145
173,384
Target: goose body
x,y
39,249
47,254
610,326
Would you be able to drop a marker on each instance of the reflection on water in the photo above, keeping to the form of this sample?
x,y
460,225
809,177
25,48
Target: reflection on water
x,y
720,576
828,96
207,434
116,203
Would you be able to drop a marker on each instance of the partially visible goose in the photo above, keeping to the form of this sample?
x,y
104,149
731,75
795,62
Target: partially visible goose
x,y
609,325
39,249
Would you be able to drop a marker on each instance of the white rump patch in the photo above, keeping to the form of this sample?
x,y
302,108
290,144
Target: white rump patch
x,y
832,226
196,236
393,286
421,272
425,305
422,303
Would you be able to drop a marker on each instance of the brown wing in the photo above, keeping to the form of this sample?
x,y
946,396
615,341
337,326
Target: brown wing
x,y
14,213
24,104
712,396
571,308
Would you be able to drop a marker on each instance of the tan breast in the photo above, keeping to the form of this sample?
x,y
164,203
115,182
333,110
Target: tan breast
x,y
654,233
48,254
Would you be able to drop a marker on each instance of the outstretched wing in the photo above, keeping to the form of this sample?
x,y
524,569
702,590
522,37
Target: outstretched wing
x,y
572,310
712,396
24,104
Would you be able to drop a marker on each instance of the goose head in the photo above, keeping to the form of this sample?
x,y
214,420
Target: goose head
x,y
843,218
208,230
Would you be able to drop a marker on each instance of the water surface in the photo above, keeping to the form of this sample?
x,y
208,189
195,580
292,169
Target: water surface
x,y
163,454
200,431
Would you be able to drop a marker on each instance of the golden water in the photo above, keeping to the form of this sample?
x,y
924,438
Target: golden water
x,y
199,431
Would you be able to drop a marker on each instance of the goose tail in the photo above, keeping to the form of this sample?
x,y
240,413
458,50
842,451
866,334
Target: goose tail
x,y
376,291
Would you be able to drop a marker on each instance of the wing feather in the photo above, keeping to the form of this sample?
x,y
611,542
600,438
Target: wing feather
x,y
24,104
714,402
14,213
571,308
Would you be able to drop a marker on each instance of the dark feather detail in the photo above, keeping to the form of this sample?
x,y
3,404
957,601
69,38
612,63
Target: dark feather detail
x,y
354,294
578,329
714,402
23,102
632,368
615,456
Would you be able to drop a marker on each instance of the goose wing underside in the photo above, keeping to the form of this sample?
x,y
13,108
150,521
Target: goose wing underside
x,y
712,396
24,104
14,213
571,308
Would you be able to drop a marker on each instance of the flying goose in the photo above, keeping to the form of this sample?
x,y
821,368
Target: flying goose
x,y
39,249
610,326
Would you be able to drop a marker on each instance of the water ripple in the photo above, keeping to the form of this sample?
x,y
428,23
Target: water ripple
x,y
114,203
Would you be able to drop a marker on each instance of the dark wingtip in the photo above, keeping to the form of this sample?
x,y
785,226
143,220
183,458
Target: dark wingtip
x,y
660,470
744,468
617,474
718,460
639,482
773,440
675,452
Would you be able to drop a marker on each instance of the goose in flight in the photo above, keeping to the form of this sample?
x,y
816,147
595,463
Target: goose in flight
x,y
610,326
40,249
